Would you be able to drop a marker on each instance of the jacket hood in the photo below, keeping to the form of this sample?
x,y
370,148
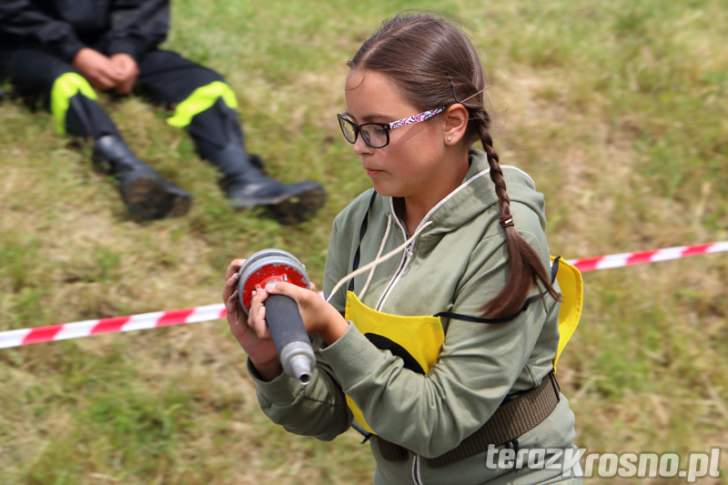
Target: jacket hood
x,y
476,195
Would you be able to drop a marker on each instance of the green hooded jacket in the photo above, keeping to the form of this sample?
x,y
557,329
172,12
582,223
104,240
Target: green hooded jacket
x,y
457,263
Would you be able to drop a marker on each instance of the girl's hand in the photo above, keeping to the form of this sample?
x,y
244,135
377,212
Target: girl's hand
x,y
319,317
255,339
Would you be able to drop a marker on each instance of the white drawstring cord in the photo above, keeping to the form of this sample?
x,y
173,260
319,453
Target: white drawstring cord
x,y
366,267
379,253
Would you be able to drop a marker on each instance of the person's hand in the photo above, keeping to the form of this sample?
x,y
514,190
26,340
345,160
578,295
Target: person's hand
x,y
319,317
252,336
97,68
127,71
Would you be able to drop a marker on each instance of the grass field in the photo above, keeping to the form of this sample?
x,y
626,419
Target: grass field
x,y
617,109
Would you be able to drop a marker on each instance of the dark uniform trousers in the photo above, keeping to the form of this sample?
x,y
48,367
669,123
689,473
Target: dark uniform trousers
x,y
165,78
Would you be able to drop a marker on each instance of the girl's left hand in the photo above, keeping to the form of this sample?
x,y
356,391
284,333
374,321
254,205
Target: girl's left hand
x,y
319,317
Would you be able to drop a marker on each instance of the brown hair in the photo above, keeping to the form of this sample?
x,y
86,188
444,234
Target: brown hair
x,y
434,64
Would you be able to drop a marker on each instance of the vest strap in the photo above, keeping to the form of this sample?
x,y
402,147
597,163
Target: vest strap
x,y
513,418
474,319
362,231
528,301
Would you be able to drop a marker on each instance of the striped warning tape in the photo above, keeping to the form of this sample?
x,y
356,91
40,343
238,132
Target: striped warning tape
x,y
86,328
641,257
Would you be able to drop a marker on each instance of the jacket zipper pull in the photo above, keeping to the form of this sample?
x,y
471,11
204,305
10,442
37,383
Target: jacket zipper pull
x,y
409,250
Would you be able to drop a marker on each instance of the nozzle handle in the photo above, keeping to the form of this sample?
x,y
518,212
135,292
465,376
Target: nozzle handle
x,y
290,337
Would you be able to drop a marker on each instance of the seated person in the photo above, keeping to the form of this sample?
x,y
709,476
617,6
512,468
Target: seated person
x,y
60,51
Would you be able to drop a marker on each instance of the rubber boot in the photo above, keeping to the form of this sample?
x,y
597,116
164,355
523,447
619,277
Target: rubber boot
x,y
219,139
246,186
146,194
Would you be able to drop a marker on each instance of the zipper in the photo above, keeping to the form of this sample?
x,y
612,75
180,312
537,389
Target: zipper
x,y
416,471
408,252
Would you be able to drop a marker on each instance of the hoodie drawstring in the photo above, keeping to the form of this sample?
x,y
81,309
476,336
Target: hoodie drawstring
x,y
379,253
378,260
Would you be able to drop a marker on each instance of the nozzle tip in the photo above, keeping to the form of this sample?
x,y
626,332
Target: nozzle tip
x,y
301,367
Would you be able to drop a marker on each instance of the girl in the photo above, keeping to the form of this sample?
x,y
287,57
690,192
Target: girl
x,y
443,354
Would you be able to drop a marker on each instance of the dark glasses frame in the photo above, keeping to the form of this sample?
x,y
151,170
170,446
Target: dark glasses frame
x,y
385,127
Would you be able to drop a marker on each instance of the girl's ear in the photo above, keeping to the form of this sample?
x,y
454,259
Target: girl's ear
x,y
455,124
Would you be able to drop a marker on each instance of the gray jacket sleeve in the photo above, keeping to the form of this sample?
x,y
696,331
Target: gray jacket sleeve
x,y
318,409
478,365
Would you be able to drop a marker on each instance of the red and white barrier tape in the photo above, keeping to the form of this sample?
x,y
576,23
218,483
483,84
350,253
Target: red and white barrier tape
x,y
86,328
641,257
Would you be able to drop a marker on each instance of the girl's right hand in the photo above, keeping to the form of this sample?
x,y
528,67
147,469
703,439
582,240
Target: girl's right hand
x,y
255,339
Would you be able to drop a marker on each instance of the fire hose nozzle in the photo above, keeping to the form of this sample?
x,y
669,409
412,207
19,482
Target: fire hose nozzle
x,y
282,315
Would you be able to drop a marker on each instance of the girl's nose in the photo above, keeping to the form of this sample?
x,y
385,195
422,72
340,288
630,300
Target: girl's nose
x,y
362,148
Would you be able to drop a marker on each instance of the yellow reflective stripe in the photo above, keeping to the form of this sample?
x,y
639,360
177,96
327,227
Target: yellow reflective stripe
x,y
64,88
200,100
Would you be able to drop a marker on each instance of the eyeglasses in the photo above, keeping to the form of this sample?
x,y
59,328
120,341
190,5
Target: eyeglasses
x,y
376,135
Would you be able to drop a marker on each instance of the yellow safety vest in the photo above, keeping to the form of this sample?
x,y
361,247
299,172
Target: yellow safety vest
x,y
418,339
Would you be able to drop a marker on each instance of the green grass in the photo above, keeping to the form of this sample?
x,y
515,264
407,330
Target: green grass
x,y
617,110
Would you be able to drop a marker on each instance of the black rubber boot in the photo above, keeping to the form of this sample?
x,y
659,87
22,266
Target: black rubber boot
x,y
246,186
146,194
219,139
